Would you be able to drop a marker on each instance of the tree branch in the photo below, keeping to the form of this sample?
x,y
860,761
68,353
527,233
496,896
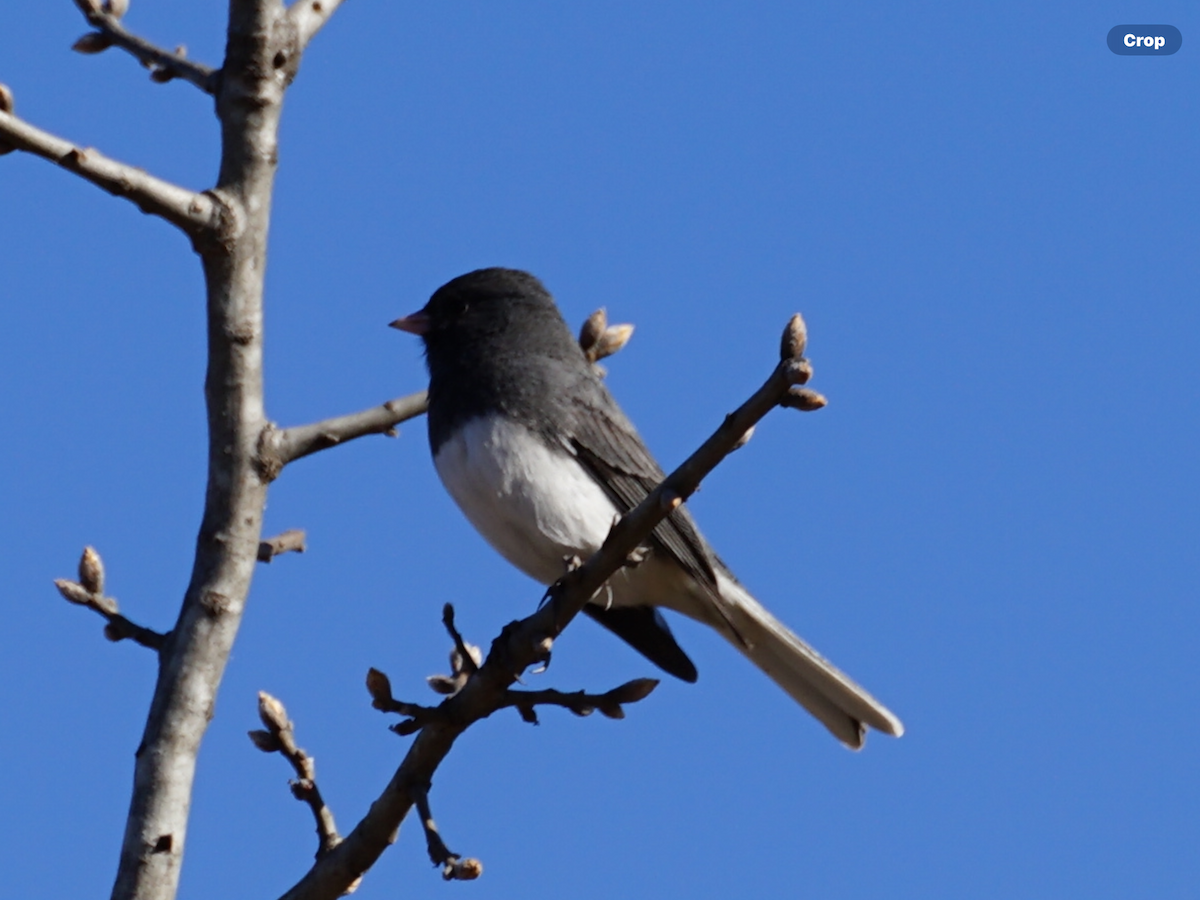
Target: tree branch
x,y
259,64
89,592
280,737
609,703
454,867
526,642
310,16
281,447
290,541
193,213
164,65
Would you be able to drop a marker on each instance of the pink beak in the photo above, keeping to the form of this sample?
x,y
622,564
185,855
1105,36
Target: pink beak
x,y
417,323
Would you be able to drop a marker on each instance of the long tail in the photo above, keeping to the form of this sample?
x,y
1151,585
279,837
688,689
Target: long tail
x,y
811,680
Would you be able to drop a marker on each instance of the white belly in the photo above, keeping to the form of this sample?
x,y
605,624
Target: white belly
x,y
535,505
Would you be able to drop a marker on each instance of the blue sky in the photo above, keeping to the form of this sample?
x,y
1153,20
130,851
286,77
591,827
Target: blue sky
x,y
990,222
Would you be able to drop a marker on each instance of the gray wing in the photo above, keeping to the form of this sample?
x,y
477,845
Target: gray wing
x,y
608,445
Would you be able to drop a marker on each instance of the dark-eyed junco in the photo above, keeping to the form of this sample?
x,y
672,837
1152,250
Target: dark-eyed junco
x,y
536,452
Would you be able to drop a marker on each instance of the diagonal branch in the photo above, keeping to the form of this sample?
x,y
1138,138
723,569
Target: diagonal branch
x,y
193,213
164,65
524,643
310,16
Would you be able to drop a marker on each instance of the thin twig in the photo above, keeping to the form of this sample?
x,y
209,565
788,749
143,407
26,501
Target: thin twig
x,y
310,16
454,867
88,591
194,213
290,541
165,65
469,666
280,737
610,703
521,644
282,446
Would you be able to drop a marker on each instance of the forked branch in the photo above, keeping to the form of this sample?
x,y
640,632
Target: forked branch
x,y
164,65
526,642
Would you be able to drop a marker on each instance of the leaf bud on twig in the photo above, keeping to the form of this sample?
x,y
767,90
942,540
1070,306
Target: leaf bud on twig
x,y
92,42
116,8
91,571
379,687
803,399
795,338
72,591
633,691
272,712
614,338
265,741
6,99
592,331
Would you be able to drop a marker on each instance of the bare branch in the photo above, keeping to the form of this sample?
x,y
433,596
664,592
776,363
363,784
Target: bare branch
x,y
582,704
259,65
526,642
280,737
454,867
281,447
290,541
310,16
89,592
164,65
192,212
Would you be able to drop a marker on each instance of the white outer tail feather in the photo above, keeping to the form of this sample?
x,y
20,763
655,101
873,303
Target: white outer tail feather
x,y
811,680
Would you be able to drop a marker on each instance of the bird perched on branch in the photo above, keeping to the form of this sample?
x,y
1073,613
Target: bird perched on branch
x,y
541,459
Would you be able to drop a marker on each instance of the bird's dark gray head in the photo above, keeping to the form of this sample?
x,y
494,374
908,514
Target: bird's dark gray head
x,y
494,339
479,303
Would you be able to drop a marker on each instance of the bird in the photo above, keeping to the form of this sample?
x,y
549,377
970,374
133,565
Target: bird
x,y
531,445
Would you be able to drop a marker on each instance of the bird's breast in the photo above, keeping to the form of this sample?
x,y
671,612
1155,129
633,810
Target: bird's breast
x,y
535,504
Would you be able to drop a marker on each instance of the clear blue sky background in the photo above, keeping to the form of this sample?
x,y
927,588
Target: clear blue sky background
x,y
991,224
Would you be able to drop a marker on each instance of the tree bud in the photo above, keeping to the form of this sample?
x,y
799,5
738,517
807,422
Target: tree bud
x,y
379,686
803,399
795,338
91,571
92,42
614,338
272,713
265,741
73,591
592,331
